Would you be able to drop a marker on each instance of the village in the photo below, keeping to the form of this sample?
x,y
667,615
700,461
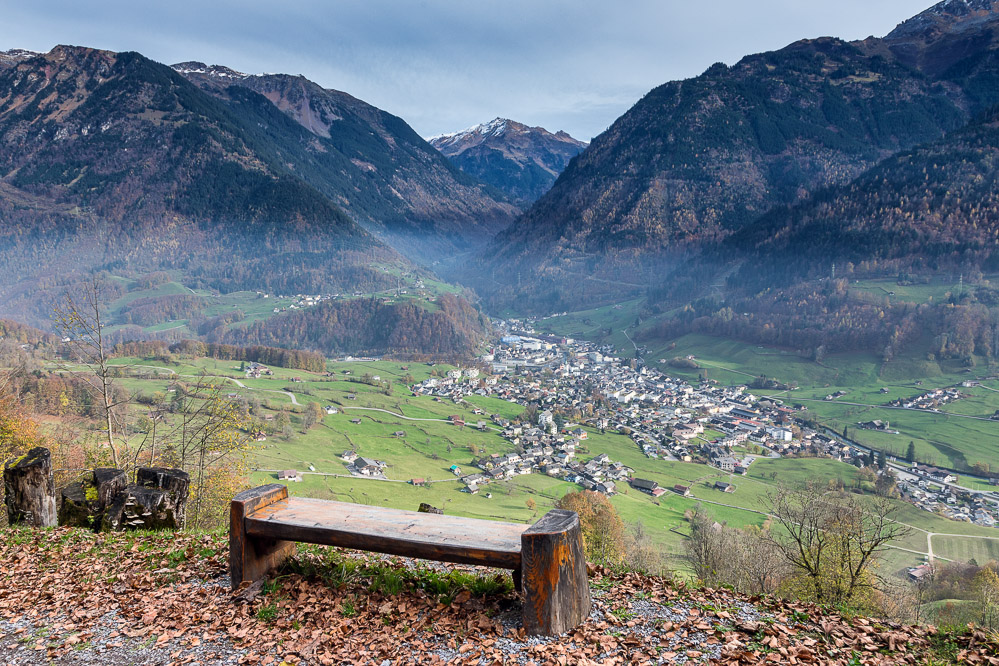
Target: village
x,y
566,384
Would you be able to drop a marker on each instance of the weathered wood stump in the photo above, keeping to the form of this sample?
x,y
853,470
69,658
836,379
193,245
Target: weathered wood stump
x,y
84,502
553,574
108,482
426,508
29,489
157,501
251,558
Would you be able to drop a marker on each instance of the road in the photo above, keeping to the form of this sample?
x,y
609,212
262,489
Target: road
x,y
904,409
241,385
625,331
721,367
238,383
407,418
353,476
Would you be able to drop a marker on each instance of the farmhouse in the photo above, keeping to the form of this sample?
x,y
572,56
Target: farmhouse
x,y
724,487
933,473
644,485
367,466
289,475
920,573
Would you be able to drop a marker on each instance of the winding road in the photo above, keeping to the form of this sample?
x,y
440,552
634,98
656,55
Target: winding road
x,y
241,385
238,383
905,409
407,418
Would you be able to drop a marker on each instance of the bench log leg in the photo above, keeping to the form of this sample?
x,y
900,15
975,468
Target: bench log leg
x,y
553,565
250,558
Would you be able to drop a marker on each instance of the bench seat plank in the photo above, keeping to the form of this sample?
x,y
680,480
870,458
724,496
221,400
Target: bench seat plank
x,y
392,531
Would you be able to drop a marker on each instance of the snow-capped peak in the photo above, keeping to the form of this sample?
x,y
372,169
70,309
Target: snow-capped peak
x,y
16,55
217,71
495,127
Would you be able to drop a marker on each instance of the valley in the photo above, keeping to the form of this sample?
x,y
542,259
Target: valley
x,y
401,414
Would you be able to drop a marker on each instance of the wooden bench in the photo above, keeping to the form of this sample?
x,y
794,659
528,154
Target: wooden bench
x,y
547,558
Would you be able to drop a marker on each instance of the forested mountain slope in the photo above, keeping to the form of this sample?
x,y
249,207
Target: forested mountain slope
x,y
370,163
696,160
934,207
112,162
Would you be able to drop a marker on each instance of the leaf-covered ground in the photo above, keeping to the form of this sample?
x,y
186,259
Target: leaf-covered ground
x,y
71,597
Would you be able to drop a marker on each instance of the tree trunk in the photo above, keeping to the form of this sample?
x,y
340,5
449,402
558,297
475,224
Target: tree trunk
x,y
29,489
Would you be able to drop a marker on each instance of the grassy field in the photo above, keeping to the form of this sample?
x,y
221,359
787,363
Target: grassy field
x,y
967,549
429,448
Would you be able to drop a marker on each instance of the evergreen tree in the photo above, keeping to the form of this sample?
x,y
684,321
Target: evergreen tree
x,y
910,453
882,460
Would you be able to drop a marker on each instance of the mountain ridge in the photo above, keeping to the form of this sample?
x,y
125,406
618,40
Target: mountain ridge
x,y
373,165
695,160
110,162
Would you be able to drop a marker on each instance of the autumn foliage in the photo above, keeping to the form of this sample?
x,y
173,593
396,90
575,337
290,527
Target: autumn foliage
x,y
603,529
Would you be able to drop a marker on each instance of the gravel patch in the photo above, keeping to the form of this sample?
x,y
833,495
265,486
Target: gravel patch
x,y
26,643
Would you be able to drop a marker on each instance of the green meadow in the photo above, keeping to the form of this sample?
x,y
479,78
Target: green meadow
x,y
430,446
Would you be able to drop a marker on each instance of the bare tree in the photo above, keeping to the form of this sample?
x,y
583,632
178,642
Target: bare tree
x,y
208,440
705,548
832,540
642,554
742,558
759,566
81,321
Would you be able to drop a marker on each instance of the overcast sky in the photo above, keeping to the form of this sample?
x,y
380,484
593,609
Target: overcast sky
x,y
446,64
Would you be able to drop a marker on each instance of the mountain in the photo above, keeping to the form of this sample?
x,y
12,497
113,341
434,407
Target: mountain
x,y
695,161
521,161
788,279
932,208
112,162
370,163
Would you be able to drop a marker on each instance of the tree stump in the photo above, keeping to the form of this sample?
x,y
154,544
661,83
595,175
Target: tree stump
x,y
157,501
84,502
108,482
29,489
553,574
426,508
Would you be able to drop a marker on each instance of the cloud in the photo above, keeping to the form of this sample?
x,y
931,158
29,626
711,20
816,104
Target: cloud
x,y
445,64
